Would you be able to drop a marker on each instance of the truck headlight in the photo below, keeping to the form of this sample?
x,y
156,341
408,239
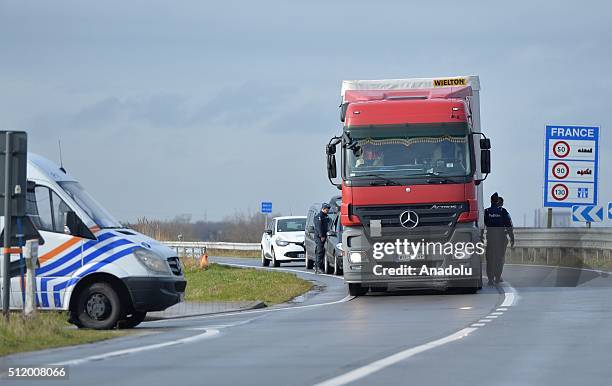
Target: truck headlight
x,y
282,243
152,261
355,257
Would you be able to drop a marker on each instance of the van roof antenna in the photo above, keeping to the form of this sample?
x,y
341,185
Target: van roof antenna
x,y
59,144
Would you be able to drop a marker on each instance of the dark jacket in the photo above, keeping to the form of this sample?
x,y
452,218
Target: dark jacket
x,y
498,217
321,224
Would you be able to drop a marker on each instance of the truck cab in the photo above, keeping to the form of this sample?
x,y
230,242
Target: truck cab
x,y
412,161
104,274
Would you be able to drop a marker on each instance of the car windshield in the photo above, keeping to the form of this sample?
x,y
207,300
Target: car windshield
x,y
94,210
410,151
291,225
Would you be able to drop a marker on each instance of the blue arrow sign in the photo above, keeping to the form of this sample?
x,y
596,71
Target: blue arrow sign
x,y
266,207
587,213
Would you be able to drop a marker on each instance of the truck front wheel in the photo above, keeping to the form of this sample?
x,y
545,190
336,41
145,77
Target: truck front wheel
x,y
356,289
98,307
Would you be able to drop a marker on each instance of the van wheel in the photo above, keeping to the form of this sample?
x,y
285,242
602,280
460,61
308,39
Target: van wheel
x,y
264,262
307,262
98,307
275,262
132,321
356,289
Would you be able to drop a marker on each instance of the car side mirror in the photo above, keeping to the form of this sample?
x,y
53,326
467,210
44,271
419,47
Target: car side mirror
x,y
332,233
77,227
268,232
310,229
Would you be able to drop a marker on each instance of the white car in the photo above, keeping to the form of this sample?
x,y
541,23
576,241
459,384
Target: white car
x,y
283,240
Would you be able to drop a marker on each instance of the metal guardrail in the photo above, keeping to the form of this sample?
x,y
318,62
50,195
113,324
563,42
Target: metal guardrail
x,y
582,238
198,248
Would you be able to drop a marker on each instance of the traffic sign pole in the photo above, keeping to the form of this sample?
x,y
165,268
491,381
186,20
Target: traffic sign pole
x,y
6,261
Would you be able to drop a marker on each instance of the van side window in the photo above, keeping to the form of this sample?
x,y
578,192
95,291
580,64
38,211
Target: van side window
x,y
47,210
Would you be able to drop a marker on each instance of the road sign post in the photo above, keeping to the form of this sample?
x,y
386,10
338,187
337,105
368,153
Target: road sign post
x,y
571,166
13,148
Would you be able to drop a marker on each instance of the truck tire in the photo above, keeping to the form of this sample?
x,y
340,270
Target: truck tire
x,y
308,264
132,321
356,289
264,262
98,307
275,262
327,267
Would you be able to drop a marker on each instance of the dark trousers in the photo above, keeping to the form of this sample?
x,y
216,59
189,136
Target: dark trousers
x,y
319,252
496,252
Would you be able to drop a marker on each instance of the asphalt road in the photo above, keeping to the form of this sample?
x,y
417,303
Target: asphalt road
x,y
554,330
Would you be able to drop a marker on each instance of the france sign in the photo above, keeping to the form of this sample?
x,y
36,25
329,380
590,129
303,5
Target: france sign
x,y
571,166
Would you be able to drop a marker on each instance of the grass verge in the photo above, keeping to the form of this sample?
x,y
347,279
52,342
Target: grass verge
x,y
223,283
45,330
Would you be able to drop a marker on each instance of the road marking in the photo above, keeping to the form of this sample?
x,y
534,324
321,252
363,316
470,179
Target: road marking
x,y
497,313
510,298
113,354
484,320
378,365
465,308
502,309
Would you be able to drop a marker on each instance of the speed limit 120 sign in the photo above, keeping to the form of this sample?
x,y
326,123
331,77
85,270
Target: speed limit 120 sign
x,y
571,166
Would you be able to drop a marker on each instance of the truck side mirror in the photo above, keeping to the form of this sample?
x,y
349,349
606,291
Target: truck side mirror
x,y
485,143
485,161
77,226
331,166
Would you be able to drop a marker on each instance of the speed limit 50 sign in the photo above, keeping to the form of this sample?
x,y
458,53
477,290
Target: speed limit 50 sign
x,y
571,166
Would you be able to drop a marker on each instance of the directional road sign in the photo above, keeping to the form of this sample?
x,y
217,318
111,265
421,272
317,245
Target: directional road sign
x,y
609,210
571,166
587,213
266,207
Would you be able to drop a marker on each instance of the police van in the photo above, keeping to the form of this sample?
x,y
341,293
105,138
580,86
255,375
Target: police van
x,y
103,274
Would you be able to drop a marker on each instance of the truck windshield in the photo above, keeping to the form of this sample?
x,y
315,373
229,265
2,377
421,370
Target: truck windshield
x,y
405,151
95,211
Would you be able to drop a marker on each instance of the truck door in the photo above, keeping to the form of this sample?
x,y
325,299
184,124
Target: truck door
x,y
61,253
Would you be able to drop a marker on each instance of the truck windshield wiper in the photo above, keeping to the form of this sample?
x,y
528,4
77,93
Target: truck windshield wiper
x,y
439,179
386,182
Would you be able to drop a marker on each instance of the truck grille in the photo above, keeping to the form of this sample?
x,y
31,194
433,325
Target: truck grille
x,y
436,221
175,265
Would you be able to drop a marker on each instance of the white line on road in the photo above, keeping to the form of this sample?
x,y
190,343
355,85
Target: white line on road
x,y
510,297
373,367
207,334
484,320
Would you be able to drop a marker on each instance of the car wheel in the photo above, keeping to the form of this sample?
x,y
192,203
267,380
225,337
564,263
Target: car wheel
x,y
328,268
356,289
264,262
132,321
98,307
307,262
275,262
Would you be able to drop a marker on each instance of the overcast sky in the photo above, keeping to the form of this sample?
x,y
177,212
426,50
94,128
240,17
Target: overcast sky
x,y
207,108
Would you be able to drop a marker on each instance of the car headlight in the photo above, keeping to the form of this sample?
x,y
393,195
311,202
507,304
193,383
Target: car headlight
x,y
355,257
282,243
152,261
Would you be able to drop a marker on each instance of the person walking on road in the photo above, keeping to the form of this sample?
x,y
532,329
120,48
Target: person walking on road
x,y
499,229
321,226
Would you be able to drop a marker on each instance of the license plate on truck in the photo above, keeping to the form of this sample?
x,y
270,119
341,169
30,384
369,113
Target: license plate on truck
x,y
418,256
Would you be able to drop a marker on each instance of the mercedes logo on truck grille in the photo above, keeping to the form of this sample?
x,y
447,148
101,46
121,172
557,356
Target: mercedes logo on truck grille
x,y
409,219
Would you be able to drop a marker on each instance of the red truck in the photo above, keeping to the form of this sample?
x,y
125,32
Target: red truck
x,y
412,165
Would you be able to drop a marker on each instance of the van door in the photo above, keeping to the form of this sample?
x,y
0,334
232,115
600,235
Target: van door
x,y
60,255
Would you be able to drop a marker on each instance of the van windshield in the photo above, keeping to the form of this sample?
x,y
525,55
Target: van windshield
x,y
86,202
